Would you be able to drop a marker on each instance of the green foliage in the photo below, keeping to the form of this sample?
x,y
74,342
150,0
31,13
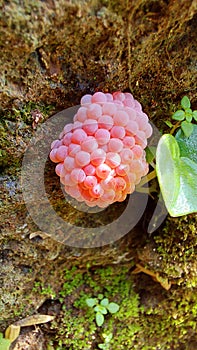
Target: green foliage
x,y
185,115
4,343
101,306
176,164
177,177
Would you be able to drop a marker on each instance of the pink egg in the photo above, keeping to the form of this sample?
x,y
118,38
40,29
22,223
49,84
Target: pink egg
x,y
102,136
119,183
118,132
73,149
109,97
108,196
105,122
137,151
58,168
82,114
115,145
148,131
52,155
78,136
82,158
77,125
89,169
69,163
121,118
131,113
90,181
77,175
74,191
122,169
113,159
118,95
61,153
109,108
131,128
67,138
140,139
90,126
56,144
68,128
89,144
126,155
142,120
98,157
99,97
102,171
86,99
94,111
128,141
96,191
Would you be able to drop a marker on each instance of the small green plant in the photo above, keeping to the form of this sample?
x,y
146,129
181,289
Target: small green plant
x,y
107,340
185,116
101,307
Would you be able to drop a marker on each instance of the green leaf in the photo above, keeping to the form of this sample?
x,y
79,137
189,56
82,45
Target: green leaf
x,y
179,115
185,102
101,309
100,296
113,308
102,346
91,302
188,145
104,302
99,319
168,123
187,128
194,114
4,343
150,153
177,177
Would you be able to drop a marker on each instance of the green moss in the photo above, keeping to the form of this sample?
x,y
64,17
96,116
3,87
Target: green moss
x,y
176,245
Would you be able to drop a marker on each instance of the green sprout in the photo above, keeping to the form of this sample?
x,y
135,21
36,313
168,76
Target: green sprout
x,y
185,116
101,307
107,340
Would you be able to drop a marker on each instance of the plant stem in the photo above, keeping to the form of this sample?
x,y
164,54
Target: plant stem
x,y
148,178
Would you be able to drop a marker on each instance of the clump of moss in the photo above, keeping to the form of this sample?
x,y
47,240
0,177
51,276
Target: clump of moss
x,y
177,245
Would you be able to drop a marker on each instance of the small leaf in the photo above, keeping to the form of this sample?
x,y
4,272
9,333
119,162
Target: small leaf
x,y
12,332
101,309
102,346
188,117
113,308
168,123
34,319
150,153
179,115
99,319
104,302
91,302
185,102
194,113
187,128
100,296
